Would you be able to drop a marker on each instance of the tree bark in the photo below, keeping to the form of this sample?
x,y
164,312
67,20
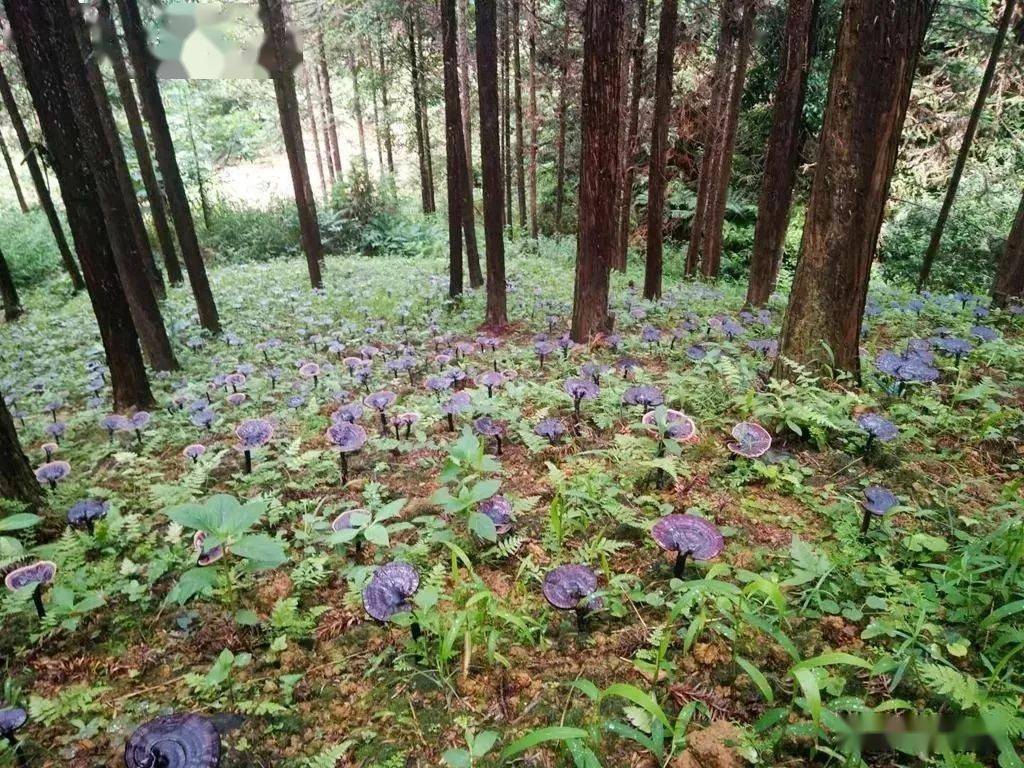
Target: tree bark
x,y
385,105
282,67
311,112
378,133
153,110
197,165
737,31
42,189
14,175
783,153
534,118
517,92
17,481
329,162
9,293
872,74
659,145
506,101
633,130
965,145
462,19
1009,282
425,112
599,161
490,160
417,106
357,107
35,32
332,124
154,193
563,108
455,146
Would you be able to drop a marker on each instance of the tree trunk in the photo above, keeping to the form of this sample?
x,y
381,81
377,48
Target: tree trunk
x,y
139,252
332,125
876,55
1009,282
735,36
417,107
659,146
8,293
462,19
311,112
154,194
455,146
357,107
14,175
599,172
378,133
965,145
783,151
197,165
36,34
506,101
17,481
534,118
425,111
153,110
563,108
385,105
42,188
490,160
282,67
329,162
633,121
517,89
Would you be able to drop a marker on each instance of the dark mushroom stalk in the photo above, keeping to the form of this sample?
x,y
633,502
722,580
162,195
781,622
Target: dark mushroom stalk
x,y
344,468
680,565
10,721
248,461
865,521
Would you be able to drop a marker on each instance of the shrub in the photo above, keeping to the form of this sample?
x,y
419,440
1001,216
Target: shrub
x,y
28,245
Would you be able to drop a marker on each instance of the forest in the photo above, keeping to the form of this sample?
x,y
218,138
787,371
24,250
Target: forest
x,y
478,383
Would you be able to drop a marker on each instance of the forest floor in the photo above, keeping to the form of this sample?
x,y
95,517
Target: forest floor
x,y
755,657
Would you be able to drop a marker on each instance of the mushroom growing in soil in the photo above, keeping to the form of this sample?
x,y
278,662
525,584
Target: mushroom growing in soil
x,y
49,449
112,423
550,429
85,513
174,741
194,452
491,379
251,434
35,575
499,510
52,472
405,420
205,556
669,424
138,422
380,401
457,403
569,588
311,371
580,389
646,397
878,428
11,720
751,440
388,591
488,427
347,438
687,536
877,501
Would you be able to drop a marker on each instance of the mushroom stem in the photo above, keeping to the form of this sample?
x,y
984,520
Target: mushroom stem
x,y
451,423
383,424
344,469
869,443
37,598
138,436
248,462
866,522
581,619
19,754
680,567
498,440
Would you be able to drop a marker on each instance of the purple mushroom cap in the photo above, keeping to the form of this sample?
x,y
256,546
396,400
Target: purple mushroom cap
x,y
677,425
492,379
879,500
205,556
457,403
11,719
87,511
252,433
380,400
499,510
351,413
39,572
194,451
140,420
564,587
346,437
488,427
551,429
389,589
648,397
752,440
581,389
174,741
878,427
344,520
309,370
688,534
53,471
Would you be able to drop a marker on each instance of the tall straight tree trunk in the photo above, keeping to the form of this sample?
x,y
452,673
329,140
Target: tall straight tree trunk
x,y
534,118
737,32
385,105
426,192
1009,282
506,101
153,110
965,145
36,32
377,131
490,159
599,172
311,112
563,108
139,251
282,66
39,182
357,107
197,165
14,175
633,129
455,146
425,111
332,123
872,74
17,481
783,151
517,92
462,9
328,161
8,293
154,194
659,146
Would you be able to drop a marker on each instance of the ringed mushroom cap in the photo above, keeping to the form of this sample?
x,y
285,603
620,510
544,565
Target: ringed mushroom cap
x,y
565,586
53,471
49,448
688,534
677,425
492,379
205,556
879,500
139,420
253,433
86,511
551,429
389,589
646,396
751,440
309,370
236,398
344,520
406,419
193,451
488,427
39,572
351,412
174,741
380,400
11,719
581,389
878,427
499,510
457,403
346,437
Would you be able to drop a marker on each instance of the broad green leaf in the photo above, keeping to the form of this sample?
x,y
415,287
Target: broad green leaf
x,y
196,581
483,526
1002,612
19,522
758,679
264,551
812,694
377,534
457,758
829,659
638,697
541,736
483,742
